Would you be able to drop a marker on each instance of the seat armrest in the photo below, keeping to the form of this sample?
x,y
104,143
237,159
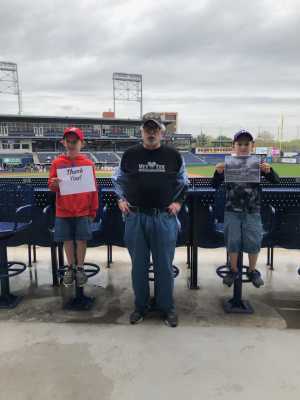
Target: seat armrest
x,y
21,212
48,212
271,222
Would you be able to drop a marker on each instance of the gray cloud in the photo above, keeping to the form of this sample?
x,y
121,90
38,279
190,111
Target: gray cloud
x,y
221,64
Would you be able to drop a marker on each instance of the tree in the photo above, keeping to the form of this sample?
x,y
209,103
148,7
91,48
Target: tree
x,y
203,140
222,141
265,138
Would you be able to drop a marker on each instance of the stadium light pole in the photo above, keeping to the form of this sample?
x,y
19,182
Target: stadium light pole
x,y
9,81
128,87
281,131
141,98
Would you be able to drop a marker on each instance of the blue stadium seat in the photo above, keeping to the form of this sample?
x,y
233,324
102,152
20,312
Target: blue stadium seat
x,y
192,159
15,220
212,159
287,231
107,157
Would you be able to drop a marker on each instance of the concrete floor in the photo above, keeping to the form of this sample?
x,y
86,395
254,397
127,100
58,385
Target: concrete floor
x,y
48,353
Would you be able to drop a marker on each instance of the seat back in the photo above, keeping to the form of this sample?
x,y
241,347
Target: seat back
x,y
13,196
207,220
287,232
219,204
184,238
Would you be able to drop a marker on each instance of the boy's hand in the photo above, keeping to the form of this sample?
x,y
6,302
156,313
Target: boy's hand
x,y
123,206
220,168
266,168
174,208
55,182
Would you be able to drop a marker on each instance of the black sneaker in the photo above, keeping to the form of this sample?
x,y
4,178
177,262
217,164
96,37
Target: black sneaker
x,y
171,319
255,278
230,277
136,317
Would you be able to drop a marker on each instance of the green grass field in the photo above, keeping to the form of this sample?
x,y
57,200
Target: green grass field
x,y
290,170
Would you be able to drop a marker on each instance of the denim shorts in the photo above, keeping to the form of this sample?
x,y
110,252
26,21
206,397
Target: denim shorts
x,y
243,232
77,228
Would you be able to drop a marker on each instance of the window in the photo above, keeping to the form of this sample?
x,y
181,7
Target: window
x,y
5,144
97,128
3,130
38,130
25,146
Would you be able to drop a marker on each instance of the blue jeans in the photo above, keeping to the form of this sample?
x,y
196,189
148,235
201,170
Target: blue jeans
x,y
156,234
243,232
76,228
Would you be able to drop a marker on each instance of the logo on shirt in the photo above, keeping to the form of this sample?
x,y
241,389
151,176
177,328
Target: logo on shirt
x,y
152,166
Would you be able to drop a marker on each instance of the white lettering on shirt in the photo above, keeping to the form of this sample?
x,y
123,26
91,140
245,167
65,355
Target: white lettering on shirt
x,y
152,166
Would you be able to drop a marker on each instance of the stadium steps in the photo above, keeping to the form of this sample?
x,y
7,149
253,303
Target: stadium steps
x,y
94,158
35,158
118,156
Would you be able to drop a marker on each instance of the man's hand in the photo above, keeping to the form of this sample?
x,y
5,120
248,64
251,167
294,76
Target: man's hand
x,y
220,168
266,168
54,182
174,208
123,206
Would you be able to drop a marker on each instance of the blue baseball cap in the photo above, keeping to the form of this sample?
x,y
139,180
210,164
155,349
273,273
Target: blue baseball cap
x,y
242,133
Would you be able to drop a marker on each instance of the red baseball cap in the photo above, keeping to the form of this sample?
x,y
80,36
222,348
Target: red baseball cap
x,y
77,131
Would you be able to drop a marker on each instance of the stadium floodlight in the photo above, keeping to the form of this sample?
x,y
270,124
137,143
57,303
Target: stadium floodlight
x,y
9,81
128,87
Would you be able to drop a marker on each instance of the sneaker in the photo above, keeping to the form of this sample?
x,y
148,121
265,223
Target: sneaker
x,y
171,319
136,317
255,278
230,277
81,277
68,277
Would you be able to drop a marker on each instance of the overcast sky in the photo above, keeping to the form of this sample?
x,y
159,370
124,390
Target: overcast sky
x,y
222,64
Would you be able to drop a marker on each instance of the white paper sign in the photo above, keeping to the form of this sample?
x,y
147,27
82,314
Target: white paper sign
x,y
242,169
76,180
